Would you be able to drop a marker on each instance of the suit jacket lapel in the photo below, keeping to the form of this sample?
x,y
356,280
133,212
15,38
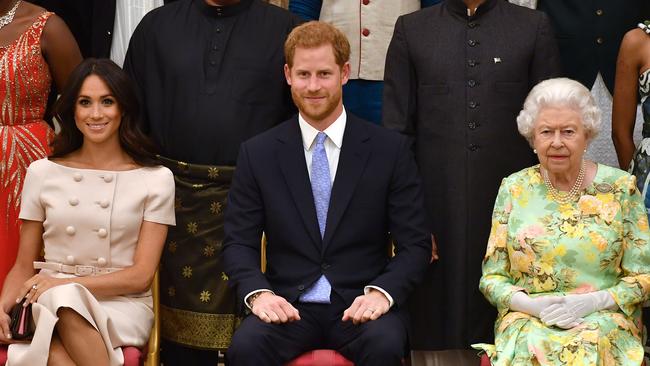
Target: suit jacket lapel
x,y
291,158
352,161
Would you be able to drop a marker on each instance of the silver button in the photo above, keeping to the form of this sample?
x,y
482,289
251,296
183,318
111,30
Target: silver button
x,y
102,233
73,201
70,230
69,259
77,177
108,178
104,203
101,261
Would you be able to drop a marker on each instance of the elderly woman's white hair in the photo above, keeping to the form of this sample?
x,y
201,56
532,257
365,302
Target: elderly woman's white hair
x,y
558,93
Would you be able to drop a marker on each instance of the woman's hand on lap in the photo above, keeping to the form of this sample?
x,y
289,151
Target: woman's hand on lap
x,y
5,334
34,287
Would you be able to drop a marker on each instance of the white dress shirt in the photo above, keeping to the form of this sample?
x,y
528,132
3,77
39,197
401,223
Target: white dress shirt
x,y
128,14
332,143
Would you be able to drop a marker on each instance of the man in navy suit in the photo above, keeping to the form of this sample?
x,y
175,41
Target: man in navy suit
x,y
327,189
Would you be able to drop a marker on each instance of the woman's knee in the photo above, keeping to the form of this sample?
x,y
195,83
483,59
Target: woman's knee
x,y
66,315
70,319
58,356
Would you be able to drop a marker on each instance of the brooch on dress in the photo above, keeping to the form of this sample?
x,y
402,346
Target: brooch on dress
x,y
604,187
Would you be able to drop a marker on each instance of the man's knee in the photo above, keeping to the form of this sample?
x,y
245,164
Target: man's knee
x,y
244,342
248,342
382,342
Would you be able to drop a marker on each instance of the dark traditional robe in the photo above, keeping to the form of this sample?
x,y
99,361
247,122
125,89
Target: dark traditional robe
x,y
589,34
209,78
456,84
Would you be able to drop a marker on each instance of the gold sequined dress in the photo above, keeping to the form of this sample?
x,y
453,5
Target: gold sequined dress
x,y
24,135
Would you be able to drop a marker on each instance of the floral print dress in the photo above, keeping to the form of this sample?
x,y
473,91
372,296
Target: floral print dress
x,y
599,242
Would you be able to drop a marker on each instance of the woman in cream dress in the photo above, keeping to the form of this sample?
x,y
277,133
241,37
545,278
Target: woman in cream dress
x,y
99,208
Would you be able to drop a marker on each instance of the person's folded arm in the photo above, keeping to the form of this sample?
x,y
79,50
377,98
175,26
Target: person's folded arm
x,y
133,279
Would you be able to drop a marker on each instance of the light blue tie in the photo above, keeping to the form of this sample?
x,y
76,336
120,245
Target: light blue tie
x,y
321,187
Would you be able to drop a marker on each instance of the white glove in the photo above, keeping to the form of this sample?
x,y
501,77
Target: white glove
x,y
571,311
520,301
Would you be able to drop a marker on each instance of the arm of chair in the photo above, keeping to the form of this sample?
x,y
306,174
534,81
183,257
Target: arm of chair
x,y
153,349
263,254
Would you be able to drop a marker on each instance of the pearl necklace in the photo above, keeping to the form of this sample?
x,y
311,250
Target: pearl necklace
x,y
565,197
9,16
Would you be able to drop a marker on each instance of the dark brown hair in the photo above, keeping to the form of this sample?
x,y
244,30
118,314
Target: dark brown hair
x,y
315,34
132,139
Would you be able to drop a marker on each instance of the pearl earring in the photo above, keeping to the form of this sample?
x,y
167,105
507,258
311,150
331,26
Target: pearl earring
x,y
535,151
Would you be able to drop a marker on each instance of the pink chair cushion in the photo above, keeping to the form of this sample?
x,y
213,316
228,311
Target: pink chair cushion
x,y
321,357
485,360
3,354
133,356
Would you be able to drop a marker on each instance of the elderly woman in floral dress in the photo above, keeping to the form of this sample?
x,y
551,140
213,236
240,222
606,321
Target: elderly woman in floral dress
x,y
568,259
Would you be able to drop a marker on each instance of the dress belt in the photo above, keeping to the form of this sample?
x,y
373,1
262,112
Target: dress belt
x,y
78,270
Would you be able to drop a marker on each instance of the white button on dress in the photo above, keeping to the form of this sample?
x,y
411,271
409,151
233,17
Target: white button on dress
x,y
102,233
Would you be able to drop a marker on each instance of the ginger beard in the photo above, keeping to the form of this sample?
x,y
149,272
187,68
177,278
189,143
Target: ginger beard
x,y
317,106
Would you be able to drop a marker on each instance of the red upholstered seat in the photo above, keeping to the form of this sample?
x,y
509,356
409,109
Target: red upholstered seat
x,y
485,360
3,354
133,356
321,357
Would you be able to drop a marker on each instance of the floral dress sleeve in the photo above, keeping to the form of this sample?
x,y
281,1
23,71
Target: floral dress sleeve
x,y
634,284
496,283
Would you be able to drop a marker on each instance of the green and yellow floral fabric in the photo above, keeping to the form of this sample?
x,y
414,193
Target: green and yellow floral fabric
x,y
599,242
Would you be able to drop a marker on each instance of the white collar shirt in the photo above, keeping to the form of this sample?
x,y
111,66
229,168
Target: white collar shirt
x,y
332,143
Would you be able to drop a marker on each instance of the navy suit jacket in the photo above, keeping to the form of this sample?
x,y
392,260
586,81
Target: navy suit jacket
x,y
376,191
